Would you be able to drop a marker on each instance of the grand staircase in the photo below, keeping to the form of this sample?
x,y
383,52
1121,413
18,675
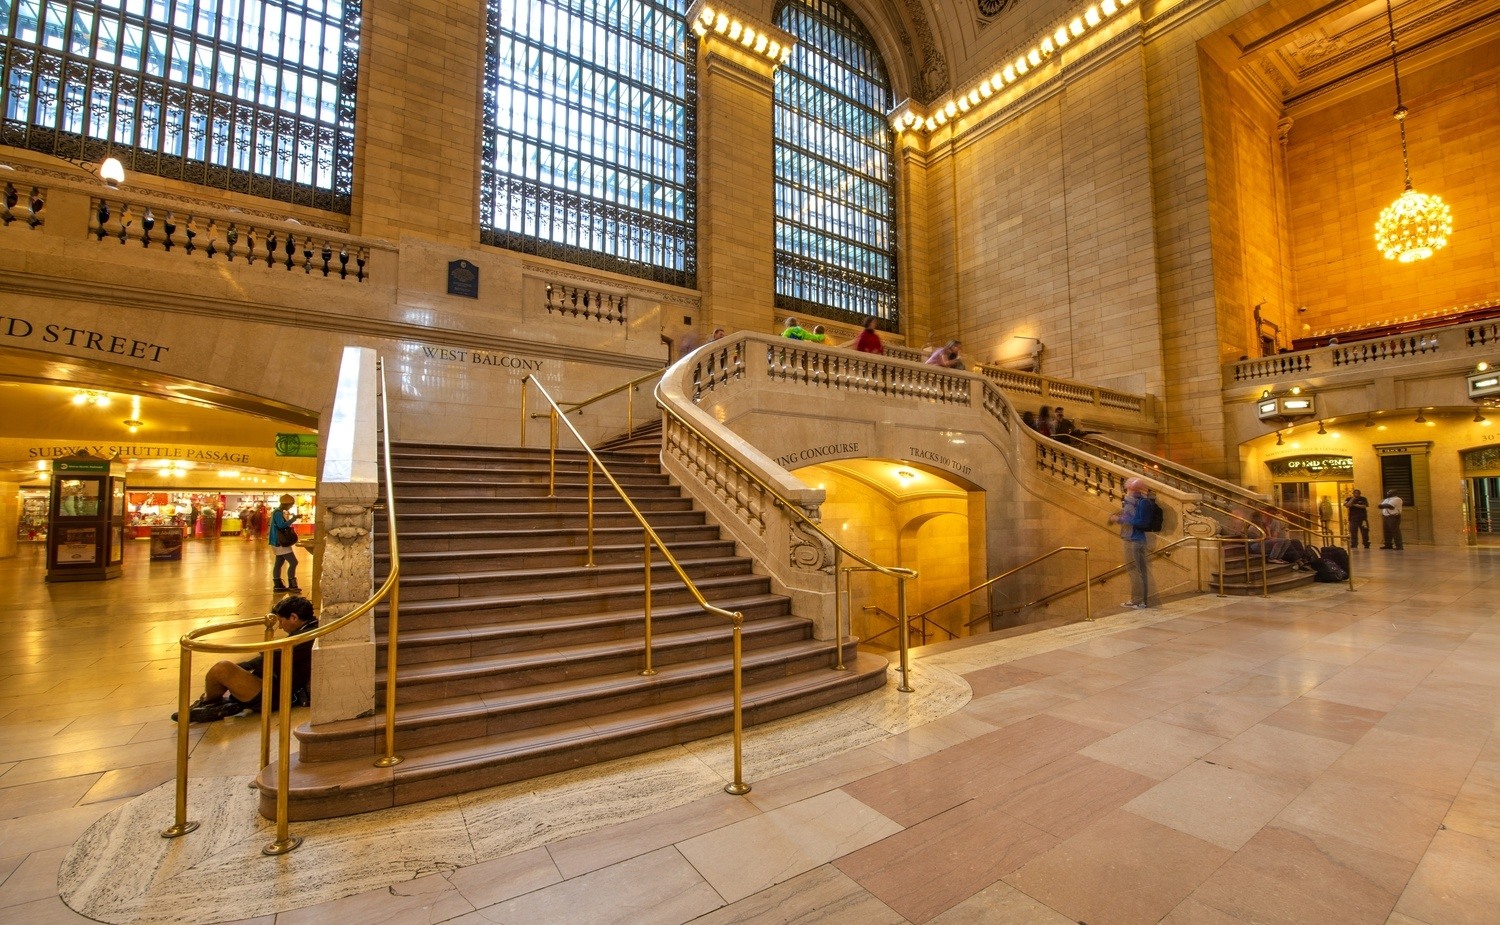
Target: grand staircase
x,y
519,659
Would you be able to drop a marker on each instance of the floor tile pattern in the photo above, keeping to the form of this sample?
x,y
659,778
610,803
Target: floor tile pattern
x,y
1323,756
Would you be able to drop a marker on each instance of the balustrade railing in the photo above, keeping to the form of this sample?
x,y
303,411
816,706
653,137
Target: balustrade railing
x,y
1050,389
210,235
589,304
24,204
1430,344
183,228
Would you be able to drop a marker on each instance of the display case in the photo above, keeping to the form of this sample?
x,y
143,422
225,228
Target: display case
x,y
32,526
86,520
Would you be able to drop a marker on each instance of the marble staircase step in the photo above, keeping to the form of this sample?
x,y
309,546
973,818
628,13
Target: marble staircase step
x,y
426,614
450,489
417,524
481,639
427,562
614,531
490,712
504,671
607,576
500,505
325,789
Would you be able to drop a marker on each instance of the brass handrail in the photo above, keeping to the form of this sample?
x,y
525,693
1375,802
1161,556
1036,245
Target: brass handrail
x,y
1088,604
1100,577
736,618
900,573
1199,482
580,405
871,608
193,641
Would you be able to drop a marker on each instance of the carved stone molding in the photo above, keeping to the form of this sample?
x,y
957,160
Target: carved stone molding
x,y
348,562
808,551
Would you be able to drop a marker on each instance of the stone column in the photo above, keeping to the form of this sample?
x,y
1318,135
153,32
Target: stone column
x,y
344,661
736,178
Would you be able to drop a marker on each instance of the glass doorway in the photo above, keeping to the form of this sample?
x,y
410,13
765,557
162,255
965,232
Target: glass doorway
x,y
1484,496
1308,499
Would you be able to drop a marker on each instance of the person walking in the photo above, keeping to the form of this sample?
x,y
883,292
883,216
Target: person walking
x,y
1132,518
868,340
283,542
1359,518
1390,521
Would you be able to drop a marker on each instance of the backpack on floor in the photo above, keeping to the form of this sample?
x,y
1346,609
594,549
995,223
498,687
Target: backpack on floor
x,y
1339,556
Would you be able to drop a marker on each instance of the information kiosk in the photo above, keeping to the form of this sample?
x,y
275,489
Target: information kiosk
x,y
86,530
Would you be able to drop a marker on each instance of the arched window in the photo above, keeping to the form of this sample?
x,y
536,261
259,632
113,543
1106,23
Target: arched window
x,y
255,96
589,134
835,205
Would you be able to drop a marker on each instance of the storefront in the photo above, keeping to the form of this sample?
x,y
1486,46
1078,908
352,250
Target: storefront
x,y
207,514
1314,485
1481,471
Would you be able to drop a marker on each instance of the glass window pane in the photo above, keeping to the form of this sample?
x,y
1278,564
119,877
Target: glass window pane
x,y
835,208
589,134
255,87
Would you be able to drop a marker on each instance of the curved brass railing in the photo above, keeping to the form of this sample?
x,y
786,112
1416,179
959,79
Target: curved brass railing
x,y
922,625
1088,602
633,385
736,619
842,617
193,641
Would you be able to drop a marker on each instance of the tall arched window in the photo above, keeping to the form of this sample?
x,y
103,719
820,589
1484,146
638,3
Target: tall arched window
x,y
835,207
255,96
589,134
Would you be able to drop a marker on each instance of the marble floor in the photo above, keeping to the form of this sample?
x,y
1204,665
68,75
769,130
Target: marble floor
x,y
1324,756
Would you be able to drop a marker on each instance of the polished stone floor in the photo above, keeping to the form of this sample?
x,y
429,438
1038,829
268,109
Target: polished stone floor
x,y
1325,756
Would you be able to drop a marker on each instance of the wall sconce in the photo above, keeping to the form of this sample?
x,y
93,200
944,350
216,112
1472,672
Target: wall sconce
x,y
1321,429
905,475
1484,382
90,397
1286,407
1479,417
1420,418
1279,441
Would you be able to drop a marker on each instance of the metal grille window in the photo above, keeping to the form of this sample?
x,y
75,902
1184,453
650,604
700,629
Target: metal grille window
x,y
255,96
589,134
835,208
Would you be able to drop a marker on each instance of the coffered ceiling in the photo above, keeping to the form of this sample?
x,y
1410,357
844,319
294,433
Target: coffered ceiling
x,y
1308,54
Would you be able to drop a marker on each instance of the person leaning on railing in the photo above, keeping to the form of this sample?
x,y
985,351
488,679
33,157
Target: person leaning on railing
x,y
230,689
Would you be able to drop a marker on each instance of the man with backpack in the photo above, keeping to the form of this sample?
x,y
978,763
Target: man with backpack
x,y
1138,514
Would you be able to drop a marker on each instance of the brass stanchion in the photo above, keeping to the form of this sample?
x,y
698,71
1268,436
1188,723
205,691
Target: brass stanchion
x,y
1088,588
738,787
646,557
905,633
180,823
552,459
847,608
284,840
265,700
392,630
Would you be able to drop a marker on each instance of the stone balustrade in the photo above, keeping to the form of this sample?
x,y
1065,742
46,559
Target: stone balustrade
x,y
1458,345
895,407
186,229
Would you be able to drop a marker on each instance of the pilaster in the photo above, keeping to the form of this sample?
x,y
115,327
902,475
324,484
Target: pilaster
x,y
736,177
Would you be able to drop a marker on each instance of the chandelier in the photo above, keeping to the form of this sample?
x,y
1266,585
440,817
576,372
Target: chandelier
x,y
1416,224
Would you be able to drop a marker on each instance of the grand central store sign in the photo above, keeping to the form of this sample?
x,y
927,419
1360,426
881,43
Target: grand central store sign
x,y
1312,467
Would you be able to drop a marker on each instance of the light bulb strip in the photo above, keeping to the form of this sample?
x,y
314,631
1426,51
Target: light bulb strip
x,y
907,119
758,38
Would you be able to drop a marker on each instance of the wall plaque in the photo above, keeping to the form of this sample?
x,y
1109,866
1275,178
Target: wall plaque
x,y
463,279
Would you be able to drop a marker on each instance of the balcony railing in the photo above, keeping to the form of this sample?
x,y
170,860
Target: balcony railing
x,y
1459,343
